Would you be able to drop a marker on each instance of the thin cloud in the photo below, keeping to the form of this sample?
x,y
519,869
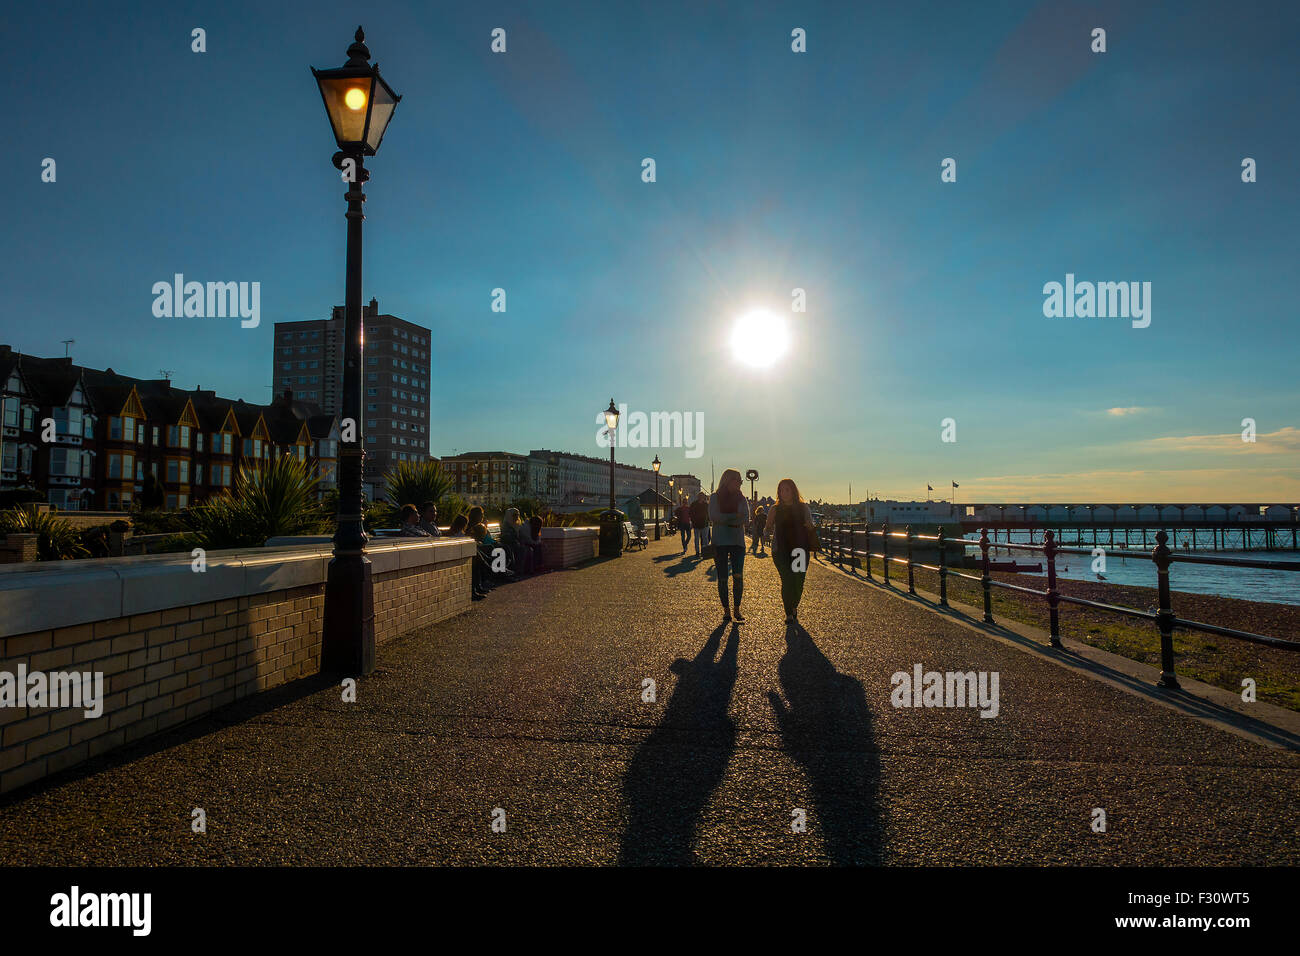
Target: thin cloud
x,y
1162,485
1128,410
1284,440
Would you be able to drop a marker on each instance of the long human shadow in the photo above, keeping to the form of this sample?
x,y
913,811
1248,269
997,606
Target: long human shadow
x,y
688,562
672,774
826,727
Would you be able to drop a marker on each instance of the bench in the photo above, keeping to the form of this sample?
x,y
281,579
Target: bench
x,y
634,536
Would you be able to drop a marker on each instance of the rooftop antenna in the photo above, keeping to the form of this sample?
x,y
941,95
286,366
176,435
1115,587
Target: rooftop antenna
x,y
66,343
166,373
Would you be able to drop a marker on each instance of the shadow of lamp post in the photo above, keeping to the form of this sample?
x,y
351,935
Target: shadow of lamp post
x,y
359,105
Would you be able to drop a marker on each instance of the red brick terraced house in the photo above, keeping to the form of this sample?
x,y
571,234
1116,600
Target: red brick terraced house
x,y
111,432
47,429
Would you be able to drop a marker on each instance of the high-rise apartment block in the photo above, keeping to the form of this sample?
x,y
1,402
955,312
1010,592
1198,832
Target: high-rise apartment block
x,y
395,380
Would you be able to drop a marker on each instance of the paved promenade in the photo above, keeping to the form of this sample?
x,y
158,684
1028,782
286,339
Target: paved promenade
x,y
532,703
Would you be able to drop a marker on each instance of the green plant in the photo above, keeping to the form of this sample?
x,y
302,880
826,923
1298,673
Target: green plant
x,y
530,506
413,483
450,505
278,499
56,538
152,494
12,497
157,522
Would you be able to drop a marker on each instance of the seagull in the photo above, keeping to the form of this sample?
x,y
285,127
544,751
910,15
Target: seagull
x,y
1100,576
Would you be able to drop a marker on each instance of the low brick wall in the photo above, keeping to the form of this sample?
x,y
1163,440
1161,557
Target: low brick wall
x,y
16,548
173,644
565,547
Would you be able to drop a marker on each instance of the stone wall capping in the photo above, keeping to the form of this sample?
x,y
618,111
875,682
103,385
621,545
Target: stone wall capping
x,y
45,595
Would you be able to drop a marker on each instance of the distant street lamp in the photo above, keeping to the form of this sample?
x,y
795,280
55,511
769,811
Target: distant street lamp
x,y
359,105
752,475
656,465
611,422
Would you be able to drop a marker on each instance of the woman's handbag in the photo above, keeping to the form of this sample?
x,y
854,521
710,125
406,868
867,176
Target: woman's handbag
x,y
814,542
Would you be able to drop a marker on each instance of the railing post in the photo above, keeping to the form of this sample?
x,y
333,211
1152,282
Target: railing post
x,y
943,569
987,579
1165,615
1053,596
867,535
884,536
911,581
839,545
853,554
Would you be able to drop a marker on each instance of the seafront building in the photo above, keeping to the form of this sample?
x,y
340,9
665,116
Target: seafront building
x,y
114,433
308,358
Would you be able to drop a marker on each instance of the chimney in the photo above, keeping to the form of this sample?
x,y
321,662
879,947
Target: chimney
x,y
373,309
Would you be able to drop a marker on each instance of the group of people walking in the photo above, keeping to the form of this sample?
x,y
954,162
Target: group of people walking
x,y
724,518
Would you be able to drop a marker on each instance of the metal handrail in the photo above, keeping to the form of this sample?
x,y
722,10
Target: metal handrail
x,y
1162,555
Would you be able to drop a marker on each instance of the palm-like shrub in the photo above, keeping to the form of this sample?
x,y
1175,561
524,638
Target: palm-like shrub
x,y
56,538
412,483
415,482
278,499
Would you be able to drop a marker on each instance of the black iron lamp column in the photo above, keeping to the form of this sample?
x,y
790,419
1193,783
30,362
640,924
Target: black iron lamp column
x,y
611,422
656,465
359,105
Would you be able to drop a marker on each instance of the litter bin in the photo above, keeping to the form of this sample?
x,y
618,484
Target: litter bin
x,y
611,533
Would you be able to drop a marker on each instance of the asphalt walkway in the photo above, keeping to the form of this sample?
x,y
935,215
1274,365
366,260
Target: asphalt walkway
x,y
534,705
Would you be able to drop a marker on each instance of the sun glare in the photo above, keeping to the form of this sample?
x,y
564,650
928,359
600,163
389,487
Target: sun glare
x,y
760,338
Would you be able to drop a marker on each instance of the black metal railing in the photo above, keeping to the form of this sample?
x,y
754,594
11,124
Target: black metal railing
x,y
840,546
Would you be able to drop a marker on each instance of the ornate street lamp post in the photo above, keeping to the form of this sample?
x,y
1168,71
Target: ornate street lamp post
x,y
611,422
656,465
359,105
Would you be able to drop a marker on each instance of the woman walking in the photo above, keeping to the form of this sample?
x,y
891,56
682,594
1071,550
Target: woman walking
x,y
729,515
789,526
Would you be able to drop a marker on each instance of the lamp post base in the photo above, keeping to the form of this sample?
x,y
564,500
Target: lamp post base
x,y
348,636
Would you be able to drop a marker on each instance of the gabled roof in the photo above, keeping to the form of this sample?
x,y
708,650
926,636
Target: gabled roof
x,y
213,412
49,381
322,425
249,417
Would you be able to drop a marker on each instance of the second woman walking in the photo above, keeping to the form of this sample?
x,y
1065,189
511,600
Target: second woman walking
x,y
729,515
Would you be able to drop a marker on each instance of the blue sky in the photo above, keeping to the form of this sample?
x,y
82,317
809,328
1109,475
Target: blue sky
x,y
775,170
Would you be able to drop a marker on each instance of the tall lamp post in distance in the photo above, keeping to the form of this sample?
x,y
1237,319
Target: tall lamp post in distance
x,y
656,464
611,519
611,422
359,105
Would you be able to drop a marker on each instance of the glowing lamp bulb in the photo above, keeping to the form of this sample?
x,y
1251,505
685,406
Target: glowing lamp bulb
x,y
355,98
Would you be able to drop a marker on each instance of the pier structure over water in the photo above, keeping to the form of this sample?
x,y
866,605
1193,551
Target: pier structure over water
x,y
1223,526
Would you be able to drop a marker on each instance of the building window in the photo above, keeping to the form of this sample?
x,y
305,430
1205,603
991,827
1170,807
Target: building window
x,y
120,466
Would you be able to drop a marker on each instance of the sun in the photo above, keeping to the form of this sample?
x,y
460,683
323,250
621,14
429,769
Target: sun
x,y
759,338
